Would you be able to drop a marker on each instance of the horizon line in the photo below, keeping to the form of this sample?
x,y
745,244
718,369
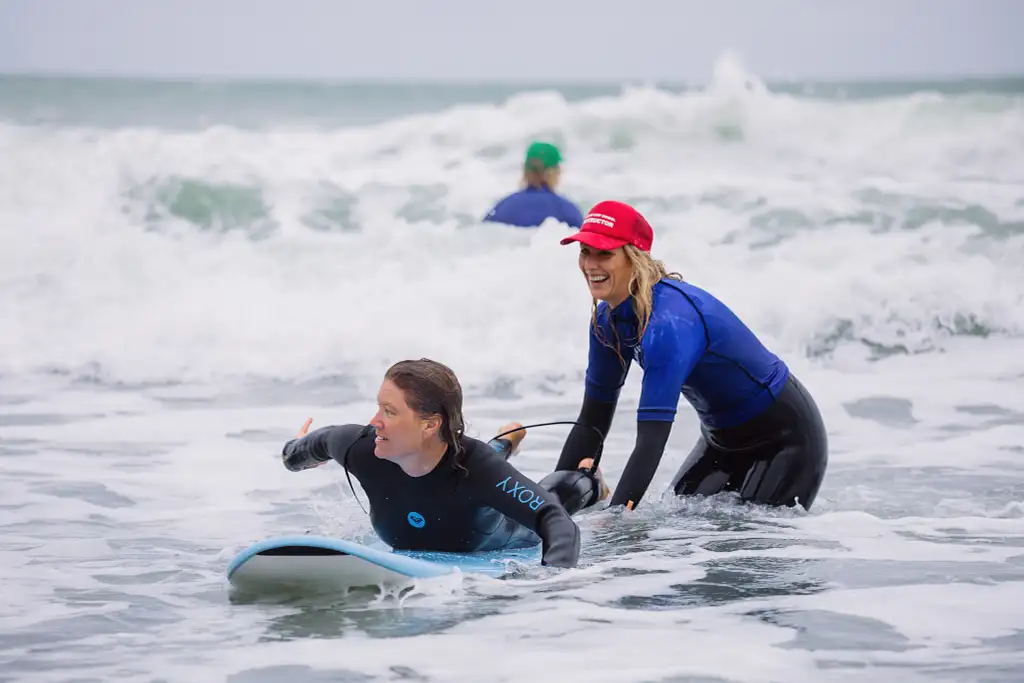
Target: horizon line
x,y
297,79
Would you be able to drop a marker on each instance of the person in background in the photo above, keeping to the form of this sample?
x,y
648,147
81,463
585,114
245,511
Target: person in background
x,y
537,200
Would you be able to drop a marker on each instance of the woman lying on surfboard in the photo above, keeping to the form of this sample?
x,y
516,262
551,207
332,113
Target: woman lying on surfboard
x,y
431,487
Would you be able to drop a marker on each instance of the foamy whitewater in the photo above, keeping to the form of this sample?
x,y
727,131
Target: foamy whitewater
x,y
188,271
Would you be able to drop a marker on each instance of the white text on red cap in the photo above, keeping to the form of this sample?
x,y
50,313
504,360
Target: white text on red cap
x,y
601,219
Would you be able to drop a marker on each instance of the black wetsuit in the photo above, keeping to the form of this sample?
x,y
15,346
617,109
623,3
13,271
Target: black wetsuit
x,y
761,433
482,504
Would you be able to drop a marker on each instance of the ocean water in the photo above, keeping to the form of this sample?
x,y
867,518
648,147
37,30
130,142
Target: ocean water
x,y
189,270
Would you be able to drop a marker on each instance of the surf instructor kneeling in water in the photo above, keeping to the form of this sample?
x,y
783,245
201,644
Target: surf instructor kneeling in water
x,y
431,487
761,433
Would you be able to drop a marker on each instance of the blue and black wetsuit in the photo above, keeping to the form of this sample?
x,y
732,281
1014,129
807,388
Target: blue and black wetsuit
x,y
761,433
480,502
530,207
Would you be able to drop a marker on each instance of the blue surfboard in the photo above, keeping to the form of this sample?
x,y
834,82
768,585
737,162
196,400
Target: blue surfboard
x,y
319,563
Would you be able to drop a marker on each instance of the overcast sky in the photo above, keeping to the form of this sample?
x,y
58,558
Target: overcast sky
x,y
676,40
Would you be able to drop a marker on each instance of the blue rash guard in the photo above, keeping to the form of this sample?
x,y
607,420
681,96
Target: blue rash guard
x,y
530,207
694,345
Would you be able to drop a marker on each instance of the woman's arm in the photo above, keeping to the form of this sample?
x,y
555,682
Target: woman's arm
x,y
583,442
651,438
606,373
317,447
672,345
501,486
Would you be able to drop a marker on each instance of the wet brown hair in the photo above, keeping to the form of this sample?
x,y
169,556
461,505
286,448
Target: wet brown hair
x,y
432,389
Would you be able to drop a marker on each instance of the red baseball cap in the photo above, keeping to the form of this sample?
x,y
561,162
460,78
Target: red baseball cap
x,y
610,225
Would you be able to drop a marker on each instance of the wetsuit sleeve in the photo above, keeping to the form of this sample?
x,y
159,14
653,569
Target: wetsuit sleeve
x,y
606,374
583,441
651,437
505,489
321,445
606,371
672,345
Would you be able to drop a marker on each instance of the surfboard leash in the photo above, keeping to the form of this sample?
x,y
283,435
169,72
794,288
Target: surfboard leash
x,y
600,437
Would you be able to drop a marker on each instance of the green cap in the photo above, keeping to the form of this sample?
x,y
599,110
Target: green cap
x,y
545,153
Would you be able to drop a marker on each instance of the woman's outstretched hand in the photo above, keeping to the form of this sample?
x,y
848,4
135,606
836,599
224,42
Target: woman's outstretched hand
x,y
303,431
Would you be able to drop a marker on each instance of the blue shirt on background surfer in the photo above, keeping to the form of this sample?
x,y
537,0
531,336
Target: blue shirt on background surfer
x,y
537,200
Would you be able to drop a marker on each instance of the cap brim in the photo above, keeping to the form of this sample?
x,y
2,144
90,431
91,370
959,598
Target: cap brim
x,y
595,240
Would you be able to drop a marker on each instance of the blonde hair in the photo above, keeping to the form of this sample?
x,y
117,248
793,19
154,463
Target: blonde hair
x,y
537,176
646,272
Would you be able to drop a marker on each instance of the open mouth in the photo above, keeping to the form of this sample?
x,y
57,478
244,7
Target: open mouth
x,y
597,279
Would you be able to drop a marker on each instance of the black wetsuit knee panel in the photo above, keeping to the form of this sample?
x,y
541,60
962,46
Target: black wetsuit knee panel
x,y
779,458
